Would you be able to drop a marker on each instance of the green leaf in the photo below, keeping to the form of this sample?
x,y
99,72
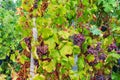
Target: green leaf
x,y
64,34
66,49
23,44
12,57
85,2
23,58
76,49
112,56
71,60
39,77
46,32
64,61
81,63
107,71
55,54
100,1
90,57
34,51
51,43
107,7
98,66
115,76
49,66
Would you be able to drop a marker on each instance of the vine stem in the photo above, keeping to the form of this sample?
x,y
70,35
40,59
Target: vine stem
x,y
34,30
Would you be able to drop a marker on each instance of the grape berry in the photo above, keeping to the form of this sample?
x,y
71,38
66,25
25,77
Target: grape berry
x,y
78,39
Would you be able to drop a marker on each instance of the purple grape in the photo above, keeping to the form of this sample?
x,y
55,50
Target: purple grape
x,y
99,77
95,52
93,63
28,42
78,39
118,51
98,48
36,62
35,5
42,49
90,50
112,47
102,57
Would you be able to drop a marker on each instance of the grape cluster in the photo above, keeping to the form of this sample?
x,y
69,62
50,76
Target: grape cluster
x,y
92,51
99,77
118,51
93,63
35,4
98,47
102,57
28,42
78,39
95,50
112,47
42,49
98,55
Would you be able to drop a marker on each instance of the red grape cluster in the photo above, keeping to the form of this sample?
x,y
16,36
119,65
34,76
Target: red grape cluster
x,y
78,39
